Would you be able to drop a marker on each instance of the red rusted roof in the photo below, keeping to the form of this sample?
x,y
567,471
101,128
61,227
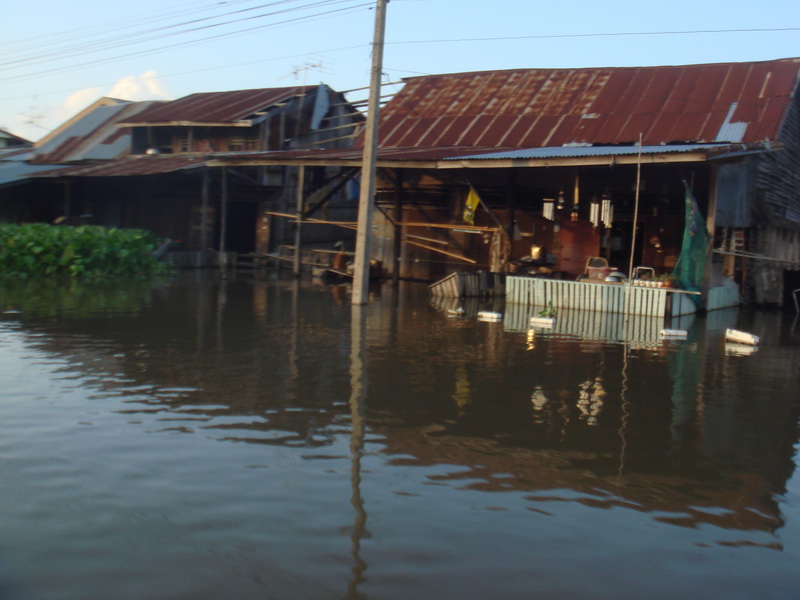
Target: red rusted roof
x,y
535,108
217,107
127,166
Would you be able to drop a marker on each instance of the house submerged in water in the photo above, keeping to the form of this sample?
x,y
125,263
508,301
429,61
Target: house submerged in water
x,y
554,162
532,173
143,164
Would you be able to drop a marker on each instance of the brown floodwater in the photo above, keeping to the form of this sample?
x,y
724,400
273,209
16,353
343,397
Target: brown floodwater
x,y
260,438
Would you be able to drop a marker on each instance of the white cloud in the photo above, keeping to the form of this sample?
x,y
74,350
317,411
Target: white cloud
x,y
146,86
35,123
77,101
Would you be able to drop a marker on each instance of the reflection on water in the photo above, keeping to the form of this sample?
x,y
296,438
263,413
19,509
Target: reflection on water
x,y
262,438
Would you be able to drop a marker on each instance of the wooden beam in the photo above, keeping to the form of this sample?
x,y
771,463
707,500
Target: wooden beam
x,y
440,251
471,228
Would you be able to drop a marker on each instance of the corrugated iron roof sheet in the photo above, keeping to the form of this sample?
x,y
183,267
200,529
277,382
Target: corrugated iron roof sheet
x,y
588,151
94,136
14,172
356,154
389,155
218,107
127,166
535,108
9,140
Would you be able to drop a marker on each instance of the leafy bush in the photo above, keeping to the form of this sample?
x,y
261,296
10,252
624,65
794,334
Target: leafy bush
x,y
50,250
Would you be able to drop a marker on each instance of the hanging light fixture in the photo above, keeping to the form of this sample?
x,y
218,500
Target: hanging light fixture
x,y
573,215
594,211
547,209
607,211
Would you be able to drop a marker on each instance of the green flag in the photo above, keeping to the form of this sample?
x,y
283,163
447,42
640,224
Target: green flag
x,y
692,260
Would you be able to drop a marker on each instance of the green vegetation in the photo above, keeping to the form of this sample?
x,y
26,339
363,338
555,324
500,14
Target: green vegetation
x,y
549,312
86,251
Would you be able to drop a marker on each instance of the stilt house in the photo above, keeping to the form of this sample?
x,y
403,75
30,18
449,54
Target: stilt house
x,y
543,169
127,164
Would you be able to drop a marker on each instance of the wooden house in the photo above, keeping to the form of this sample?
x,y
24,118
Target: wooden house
x,y
129,164
9,140
568,164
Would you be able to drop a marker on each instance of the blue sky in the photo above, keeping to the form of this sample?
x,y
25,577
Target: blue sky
x,y
58,57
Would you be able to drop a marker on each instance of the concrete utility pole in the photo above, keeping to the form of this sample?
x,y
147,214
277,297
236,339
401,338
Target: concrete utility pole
x,y
368,168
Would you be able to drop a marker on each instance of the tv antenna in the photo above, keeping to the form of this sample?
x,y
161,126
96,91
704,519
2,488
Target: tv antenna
x,y
34,116
298,70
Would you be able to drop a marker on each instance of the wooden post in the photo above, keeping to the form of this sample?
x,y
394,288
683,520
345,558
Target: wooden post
x,y
223,221
398,226
301,175
368,167
67,198
204,201
711,221
511,202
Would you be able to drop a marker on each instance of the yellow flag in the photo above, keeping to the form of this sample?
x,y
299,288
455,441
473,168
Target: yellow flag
x,y
471,206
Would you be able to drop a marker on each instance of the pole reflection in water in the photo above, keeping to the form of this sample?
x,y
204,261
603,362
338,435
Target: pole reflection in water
x,y
209,439
358,395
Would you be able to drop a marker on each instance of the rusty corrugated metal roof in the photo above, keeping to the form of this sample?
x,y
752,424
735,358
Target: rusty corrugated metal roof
x,y
127,166
535,108
218,107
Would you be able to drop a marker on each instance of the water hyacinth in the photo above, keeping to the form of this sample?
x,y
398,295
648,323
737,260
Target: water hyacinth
x,y
39,249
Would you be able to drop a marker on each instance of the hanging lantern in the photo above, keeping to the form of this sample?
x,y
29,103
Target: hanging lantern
x,y
607,211
594,211
573,215
547,209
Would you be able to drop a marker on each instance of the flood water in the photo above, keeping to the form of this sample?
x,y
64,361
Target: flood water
x,y
257,438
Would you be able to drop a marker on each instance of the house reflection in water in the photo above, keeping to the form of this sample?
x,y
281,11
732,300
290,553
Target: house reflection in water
x,y
413,413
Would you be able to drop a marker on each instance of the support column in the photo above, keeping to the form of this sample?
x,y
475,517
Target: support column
x,y
397,216
298,237
223,219
711,223
204,203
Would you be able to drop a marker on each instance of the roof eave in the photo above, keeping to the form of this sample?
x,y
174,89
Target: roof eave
x,y
189,124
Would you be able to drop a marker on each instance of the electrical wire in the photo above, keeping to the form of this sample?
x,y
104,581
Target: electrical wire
x,y
596,35
203,40
128,39
157,17
116,25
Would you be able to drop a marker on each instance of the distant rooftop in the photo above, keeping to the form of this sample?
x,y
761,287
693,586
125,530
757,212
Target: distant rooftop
x,y
217,107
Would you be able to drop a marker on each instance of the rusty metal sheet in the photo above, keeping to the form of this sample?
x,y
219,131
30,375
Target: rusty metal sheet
x,y
218,107
128,166
553,107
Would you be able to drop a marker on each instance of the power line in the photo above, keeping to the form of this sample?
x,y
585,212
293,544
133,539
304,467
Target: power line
x,y
552,36
595,35
121,24
139,37
203,70
192,42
